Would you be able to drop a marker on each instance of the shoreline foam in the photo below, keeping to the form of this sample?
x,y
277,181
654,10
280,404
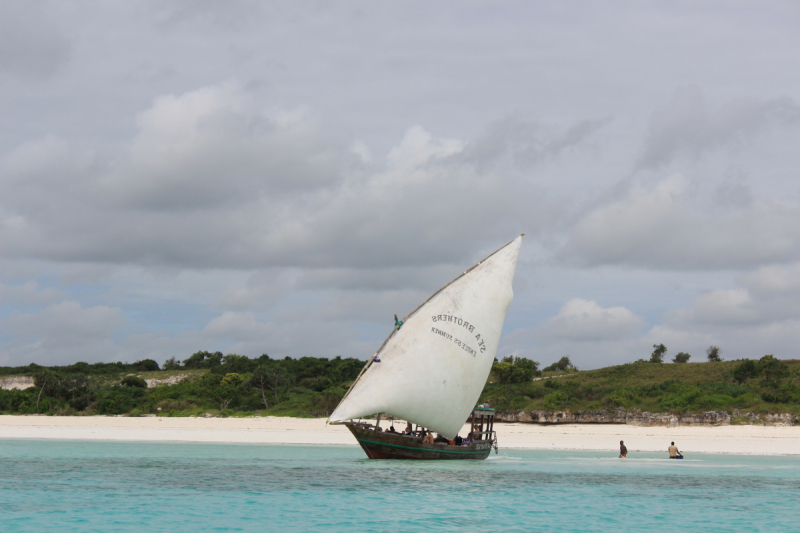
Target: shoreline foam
x,y
752,440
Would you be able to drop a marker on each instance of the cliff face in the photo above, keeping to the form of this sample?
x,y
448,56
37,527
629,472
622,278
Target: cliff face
x,y
16,382
639,418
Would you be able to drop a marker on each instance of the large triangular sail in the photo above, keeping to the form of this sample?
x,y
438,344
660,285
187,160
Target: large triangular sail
x,y
431,371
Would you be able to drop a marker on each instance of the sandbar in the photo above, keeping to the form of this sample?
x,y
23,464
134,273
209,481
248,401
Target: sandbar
x,y
755,440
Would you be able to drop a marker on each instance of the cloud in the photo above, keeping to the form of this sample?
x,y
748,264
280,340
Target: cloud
x,y
211,181
528,142
29,294
688,126
665,227
239,326
61,334
31,45
585,320
768,295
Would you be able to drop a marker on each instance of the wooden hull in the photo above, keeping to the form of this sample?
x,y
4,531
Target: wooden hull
x,y
382,445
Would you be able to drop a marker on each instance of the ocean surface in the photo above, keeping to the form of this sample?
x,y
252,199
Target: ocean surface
x,y
147,487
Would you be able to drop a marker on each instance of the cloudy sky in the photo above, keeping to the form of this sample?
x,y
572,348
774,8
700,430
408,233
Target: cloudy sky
x,y
284,177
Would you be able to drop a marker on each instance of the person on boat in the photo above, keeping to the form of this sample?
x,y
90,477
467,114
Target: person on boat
x,y
428,438
458,440
378,429
623,451
674,453
391,430
409,430
465,441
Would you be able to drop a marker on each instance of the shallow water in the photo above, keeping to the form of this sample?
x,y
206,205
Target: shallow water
x,y
113,486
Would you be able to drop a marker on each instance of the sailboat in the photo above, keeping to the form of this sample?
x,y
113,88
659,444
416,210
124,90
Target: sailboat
x,y
431,369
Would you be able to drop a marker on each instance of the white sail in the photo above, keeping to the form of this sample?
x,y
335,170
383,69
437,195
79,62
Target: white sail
x,y
432,370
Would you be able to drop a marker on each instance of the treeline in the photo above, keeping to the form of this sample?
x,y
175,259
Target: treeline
x,y
208,382
234,384
95,369
764,385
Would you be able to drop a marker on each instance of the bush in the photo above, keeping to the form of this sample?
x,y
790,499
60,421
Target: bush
x,y
134,381
117,400
555,401
145,365
625,397
745,370
682,357
773,369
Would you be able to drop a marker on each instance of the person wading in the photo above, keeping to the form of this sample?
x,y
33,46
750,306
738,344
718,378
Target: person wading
x,y
623,451
674,453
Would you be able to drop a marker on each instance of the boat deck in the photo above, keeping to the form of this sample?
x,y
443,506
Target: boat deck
x,y
384,445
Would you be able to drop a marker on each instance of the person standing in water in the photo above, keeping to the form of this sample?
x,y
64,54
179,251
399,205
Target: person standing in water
x,y
623,451
674,453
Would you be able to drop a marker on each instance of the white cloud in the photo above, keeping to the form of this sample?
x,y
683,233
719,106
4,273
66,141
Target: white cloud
x,y
238,326
665,227
585,320
718,307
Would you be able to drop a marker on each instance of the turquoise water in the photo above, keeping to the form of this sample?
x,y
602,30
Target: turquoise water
x,y
112,486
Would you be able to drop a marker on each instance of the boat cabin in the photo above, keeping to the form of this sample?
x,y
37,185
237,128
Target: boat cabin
x,y
481,421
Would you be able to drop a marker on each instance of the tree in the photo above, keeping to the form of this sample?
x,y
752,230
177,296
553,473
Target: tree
x,y
46,381
515,370
230,386
562,365
682,357
259,382
745,370
277,378
203,360
658,354
713,354
773,369
231,363
172,364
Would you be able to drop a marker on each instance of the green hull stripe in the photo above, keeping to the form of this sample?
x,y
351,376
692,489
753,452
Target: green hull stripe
x,y
419,449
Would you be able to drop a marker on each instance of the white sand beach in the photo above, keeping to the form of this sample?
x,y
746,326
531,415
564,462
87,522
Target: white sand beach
x,y
758,440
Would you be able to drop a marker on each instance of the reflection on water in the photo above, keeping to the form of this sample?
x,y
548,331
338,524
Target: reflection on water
x,y
75,486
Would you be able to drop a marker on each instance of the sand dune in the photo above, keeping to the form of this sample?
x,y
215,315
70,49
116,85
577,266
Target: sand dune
x,y
758,440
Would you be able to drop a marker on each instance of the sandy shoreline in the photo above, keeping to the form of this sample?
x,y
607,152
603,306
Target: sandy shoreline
x,y
758,440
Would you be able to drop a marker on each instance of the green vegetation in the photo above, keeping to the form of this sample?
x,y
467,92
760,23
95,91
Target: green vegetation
x,y
767,385
235,385
682,357
229,385
658,354
713,354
